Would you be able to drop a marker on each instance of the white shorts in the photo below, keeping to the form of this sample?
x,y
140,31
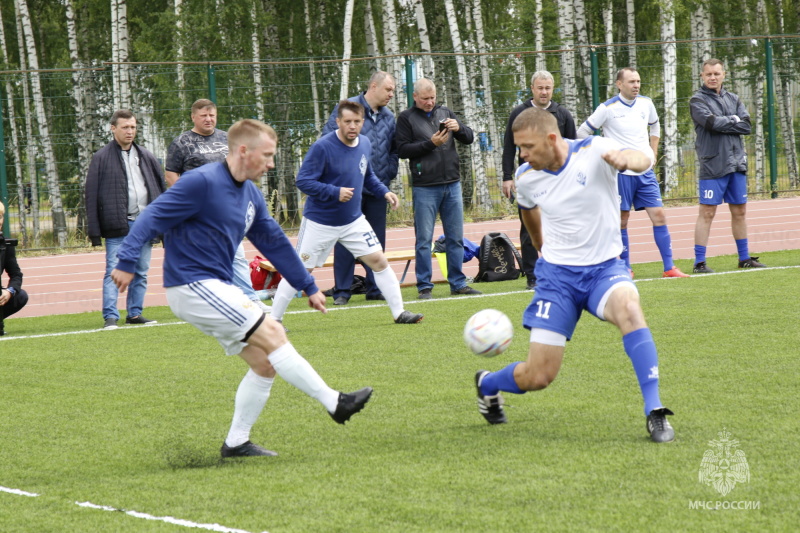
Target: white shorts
x,y
218,309
315,241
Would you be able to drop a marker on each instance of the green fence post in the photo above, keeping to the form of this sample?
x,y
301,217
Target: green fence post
x,y
410,81
3,185
212,84
773,153
595,79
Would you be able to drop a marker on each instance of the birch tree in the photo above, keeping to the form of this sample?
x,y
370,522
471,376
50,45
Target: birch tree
x,y
700,31
115,55
758,95
783,88
311,69
495,138
392,44
427,68
582,37
538,36
608,24
348,45
670,57
30,143
125,99
12,120
630,9
56,207
483,198
257,89
566,34
179,70
373,47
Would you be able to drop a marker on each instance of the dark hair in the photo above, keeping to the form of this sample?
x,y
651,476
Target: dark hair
x,y
624,69
355,107
121,113
202,104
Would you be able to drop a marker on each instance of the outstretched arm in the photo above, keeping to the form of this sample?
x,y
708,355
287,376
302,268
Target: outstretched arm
x,y
623,160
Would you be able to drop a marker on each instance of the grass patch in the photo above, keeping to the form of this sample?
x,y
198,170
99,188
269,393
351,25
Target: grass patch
x,y
134,418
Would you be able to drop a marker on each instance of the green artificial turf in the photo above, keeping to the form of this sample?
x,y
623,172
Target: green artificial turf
x,y
133,419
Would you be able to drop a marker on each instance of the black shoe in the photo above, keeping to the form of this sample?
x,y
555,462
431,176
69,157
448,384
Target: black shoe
x,y
424,294
378,296
491,407
328,293
407,317
139,320
248,449
466,289
752,262
531,283
110,323
702,268
350,404
658,427
341,300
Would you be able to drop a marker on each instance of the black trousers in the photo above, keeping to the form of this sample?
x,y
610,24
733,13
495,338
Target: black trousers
x,y
527,249
16,303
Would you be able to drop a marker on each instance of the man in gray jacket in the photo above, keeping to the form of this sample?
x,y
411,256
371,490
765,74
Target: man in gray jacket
x,y
123,179
720,119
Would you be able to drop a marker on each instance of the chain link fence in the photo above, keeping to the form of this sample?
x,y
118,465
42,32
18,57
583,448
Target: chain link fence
x,y
296,97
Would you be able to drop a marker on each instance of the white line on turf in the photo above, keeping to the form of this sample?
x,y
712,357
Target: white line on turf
x,y
381,304
18,492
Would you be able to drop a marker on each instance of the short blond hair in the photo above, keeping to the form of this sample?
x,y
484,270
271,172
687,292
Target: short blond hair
x,y
247,131
537,120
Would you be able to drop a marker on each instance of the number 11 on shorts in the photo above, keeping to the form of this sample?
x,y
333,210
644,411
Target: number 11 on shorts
x,y
543,310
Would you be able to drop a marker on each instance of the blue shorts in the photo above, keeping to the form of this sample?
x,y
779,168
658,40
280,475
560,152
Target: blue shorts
x,y
563,292
731,187
638,191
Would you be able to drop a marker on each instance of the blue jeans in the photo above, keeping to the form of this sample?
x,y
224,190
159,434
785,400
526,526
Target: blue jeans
x,y
136,289
241,274
447,202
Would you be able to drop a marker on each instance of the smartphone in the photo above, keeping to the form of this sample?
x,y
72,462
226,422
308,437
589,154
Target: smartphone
x,y
442,125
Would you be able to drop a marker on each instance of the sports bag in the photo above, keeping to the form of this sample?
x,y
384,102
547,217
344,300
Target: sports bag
x,y
496,258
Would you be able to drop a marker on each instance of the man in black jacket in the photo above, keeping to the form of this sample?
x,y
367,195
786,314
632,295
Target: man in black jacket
x,y
542,84
123,179
12,297
425,136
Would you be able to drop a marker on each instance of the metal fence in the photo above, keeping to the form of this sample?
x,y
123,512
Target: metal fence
x,y
296,97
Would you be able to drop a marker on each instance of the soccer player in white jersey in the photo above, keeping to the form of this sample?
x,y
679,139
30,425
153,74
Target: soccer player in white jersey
x,y
204,217
628,118
333,175
568,192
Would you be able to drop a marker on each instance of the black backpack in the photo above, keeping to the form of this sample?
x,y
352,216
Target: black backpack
x,y
496,258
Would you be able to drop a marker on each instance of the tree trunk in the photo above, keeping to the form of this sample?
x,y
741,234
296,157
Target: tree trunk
x,y
428,70
311,69
565,29
482,190
257,89
392,45
57,209
608,23
179,69
582,35
83,127
758,92
373,47
115,54
783,88
30,143
495,137
631,11
538,37
12,120
670,58
348,44
125,99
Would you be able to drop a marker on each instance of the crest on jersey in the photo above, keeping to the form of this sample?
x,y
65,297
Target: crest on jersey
x,y
582,179
305,257
362,165
249,216
723,466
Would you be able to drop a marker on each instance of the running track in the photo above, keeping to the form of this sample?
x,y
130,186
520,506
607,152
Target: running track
x,y
63,284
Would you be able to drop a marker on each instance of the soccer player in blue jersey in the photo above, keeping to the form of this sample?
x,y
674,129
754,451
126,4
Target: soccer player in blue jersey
x,y
204,217
631,119
568,190
333,175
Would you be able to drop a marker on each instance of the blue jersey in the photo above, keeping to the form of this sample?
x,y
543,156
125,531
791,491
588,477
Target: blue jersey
x,y
330,165
203,218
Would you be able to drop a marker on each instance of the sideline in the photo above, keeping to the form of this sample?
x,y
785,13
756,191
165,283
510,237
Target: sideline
x,y
336,309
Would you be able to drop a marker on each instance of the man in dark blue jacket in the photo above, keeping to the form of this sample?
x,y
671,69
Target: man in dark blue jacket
x,y
426,135
379,128
123,179
12,297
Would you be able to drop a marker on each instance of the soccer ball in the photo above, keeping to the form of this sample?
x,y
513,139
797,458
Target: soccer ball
x,y
488,332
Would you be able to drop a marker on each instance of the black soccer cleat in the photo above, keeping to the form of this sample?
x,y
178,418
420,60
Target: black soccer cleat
x,y
248,449
751,262
702,268
657,425
491,407
465,290
407,317
350,403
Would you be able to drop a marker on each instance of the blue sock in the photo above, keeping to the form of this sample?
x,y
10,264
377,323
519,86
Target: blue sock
x,y
699,254
742,247
664,243
641,349
502,380
625,255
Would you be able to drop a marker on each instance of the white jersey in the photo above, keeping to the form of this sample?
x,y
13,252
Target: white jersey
x,y
627,123
579,204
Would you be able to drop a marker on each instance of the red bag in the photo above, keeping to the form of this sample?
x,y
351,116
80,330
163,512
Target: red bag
x,y
262,279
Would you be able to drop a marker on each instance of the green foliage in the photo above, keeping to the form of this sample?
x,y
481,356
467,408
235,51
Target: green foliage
x,y
133,419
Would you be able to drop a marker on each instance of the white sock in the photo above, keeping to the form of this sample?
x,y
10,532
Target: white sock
x,y
281,300
296,371
386,280
251,397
